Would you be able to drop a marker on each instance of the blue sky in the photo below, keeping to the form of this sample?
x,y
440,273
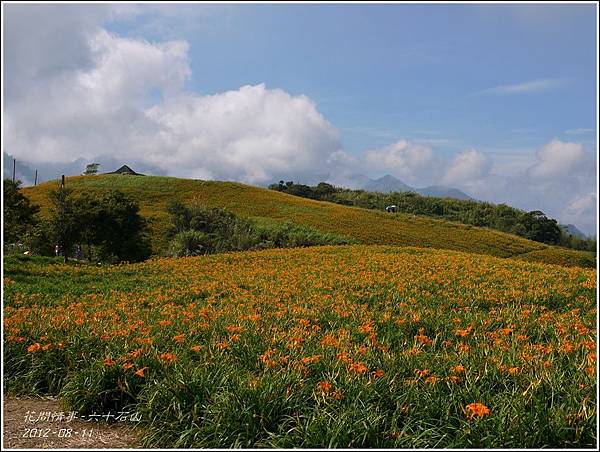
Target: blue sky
x,y
497,100
406,70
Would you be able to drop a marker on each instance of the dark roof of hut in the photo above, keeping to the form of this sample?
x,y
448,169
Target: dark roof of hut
x,y
126,170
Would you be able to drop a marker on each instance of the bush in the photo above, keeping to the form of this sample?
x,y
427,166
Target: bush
x,y
189,243
38,239
201,230
19,213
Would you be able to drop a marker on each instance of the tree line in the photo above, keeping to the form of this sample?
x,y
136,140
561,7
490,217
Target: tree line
x,y
533,225
94,226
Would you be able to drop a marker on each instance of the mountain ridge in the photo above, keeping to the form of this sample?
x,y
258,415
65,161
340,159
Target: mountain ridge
x,y
389,183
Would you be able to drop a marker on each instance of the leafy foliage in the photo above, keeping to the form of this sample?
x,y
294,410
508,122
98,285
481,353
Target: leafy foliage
x,y
530,225
65,225
201,230
109,221
91,169
19,212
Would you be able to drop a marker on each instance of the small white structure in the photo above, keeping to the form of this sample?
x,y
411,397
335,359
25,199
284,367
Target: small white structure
x,y
391,209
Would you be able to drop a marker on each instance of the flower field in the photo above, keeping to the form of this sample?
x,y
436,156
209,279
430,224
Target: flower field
x,y
348,346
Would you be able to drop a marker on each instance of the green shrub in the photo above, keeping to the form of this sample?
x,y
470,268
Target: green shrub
x,y
189,243
201,230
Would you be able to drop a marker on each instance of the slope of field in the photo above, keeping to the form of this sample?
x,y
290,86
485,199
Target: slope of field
x,y
365,226
324,347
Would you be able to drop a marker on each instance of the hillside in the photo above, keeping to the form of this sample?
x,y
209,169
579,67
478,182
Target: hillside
x,y
366,226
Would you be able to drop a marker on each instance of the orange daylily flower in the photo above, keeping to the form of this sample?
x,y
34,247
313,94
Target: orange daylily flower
x,y
474,410
324,386
168,357
33,348
422,373
359,368
378,373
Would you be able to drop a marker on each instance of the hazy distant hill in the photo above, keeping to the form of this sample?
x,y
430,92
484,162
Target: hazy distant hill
x,y
440,191
389,183
386,184
572,229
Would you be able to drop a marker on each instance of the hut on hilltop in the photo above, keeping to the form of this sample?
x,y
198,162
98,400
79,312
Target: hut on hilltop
x,y
126,170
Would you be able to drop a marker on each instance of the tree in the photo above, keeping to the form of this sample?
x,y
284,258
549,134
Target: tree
x,y
323,189
91,169
121,230
299,190
65,224
19,213
541,228
90,215
108,223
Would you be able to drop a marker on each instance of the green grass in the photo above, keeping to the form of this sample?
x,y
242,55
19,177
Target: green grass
x,y
364,226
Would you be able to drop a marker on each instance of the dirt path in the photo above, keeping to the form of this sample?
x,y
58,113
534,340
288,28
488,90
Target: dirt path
x,y
35,422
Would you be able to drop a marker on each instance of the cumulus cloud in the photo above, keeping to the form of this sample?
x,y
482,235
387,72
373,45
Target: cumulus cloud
x,y
557,180
468,166
42,42
582,211
558,159
252,134
125,99
95,109
404,159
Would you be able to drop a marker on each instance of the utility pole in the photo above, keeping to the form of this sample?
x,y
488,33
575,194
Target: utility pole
x,y
61,214
35,182
14,167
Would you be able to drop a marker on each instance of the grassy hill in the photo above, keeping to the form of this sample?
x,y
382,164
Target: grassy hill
x,y
365,226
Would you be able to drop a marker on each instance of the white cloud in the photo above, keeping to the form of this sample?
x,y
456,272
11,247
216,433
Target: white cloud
x,y
468,166
126,69
97,108
253,134
556,178
579,131
121,99
530,86
558,159
581,211
404,159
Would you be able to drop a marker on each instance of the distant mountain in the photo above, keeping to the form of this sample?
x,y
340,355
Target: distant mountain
x,y
439,191
386,184
572,229
357,181
389,183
